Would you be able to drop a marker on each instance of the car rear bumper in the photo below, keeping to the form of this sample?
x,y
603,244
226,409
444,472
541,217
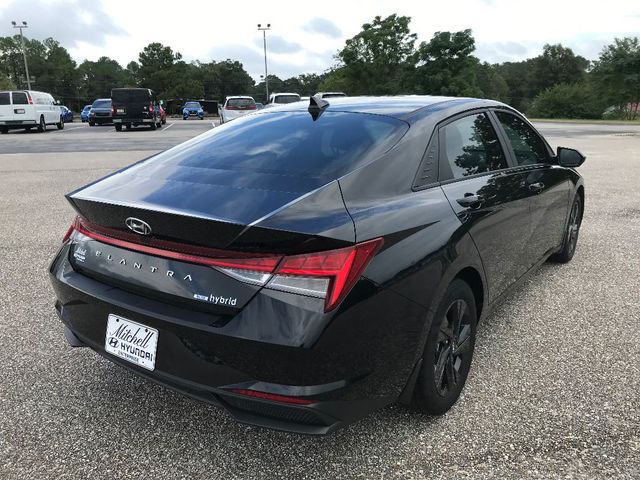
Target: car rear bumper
x,y
17,123
134,121
101,120
359,363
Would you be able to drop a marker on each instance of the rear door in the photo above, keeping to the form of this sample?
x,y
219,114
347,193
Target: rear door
x,y
487,195
21,110
6,110
548,184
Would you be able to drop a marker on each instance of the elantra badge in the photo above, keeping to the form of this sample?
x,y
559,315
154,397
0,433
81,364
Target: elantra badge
x,y
138,226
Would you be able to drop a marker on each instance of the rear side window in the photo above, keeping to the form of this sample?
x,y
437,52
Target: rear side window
x,y
241,102
469,146
4,98
289,144
527,145
20,98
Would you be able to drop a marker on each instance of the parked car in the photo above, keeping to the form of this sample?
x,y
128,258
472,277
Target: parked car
x,y
100,113
330,94
84,114
276,99
192,109
235,107
27,109
259,106
135,106
336,260
67,115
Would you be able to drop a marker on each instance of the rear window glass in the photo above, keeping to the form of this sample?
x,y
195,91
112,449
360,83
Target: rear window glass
x,y
4,98
291,144
286,99
241,102
101,104
132,95
20,98
192,105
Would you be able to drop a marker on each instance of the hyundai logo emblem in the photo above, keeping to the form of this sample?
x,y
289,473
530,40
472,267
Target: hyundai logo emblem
x,y
138,226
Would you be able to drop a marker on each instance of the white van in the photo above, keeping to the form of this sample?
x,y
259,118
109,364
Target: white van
x,y
28,109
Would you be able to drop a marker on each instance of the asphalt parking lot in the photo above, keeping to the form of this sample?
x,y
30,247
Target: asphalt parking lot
x,y
554,390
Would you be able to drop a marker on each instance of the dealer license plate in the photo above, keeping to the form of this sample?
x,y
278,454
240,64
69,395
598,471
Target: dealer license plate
x,y
131,341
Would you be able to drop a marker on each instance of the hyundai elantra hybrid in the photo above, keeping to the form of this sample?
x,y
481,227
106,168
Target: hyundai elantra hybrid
x,y
307,264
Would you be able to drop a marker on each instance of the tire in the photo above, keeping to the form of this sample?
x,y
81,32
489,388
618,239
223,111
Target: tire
x,y
570,237
4,130
91,124
128,126
60,124
154,125
118,127
448,351
42,127
164,122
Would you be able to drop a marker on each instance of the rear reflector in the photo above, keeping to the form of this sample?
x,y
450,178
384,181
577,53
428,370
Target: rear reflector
x,y
271,396
329,274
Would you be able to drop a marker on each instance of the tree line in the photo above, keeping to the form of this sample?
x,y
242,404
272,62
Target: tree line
x,y
384,58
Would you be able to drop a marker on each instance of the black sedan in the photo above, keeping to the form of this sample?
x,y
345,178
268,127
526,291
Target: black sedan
x,y
307,264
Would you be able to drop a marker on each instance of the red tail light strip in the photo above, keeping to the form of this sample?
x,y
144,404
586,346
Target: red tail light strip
x,y
272,396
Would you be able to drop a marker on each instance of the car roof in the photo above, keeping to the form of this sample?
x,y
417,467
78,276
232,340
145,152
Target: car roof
x,y
394,106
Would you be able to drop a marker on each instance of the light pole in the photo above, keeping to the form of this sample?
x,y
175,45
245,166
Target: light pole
x,y
264,41
24,52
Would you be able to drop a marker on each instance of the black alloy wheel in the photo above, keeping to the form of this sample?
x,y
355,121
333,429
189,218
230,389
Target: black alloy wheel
x,y
449,350
60,124
570,240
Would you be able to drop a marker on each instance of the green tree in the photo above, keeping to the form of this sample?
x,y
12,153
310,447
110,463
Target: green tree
x,y
5,82
379,60
447,66
99,77
576,100
155,64
556,65
492,84
616,74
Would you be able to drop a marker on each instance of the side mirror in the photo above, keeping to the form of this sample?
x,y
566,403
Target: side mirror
x,y
570,157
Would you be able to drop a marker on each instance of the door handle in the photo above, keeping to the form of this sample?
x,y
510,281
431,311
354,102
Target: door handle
x,y
470,200
536,187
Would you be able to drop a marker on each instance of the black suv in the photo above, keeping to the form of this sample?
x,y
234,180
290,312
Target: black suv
x,y
133,107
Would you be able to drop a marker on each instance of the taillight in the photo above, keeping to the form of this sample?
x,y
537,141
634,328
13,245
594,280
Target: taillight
x,y
329,274
113,111
272,396
150,108
251,107
230,107
29,99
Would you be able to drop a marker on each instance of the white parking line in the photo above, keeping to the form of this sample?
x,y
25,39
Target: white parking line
x,y
167,127
213,125
66,128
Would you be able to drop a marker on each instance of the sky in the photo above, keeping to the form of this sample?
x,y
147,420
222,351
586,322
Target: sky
x,y
305,36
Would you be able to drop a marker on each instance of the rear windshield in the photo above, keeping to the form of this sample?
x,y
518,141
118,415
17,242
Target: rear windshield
x,y
192,105
289,144
20,98
286,99
101,104
241,102
4,98
131,95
